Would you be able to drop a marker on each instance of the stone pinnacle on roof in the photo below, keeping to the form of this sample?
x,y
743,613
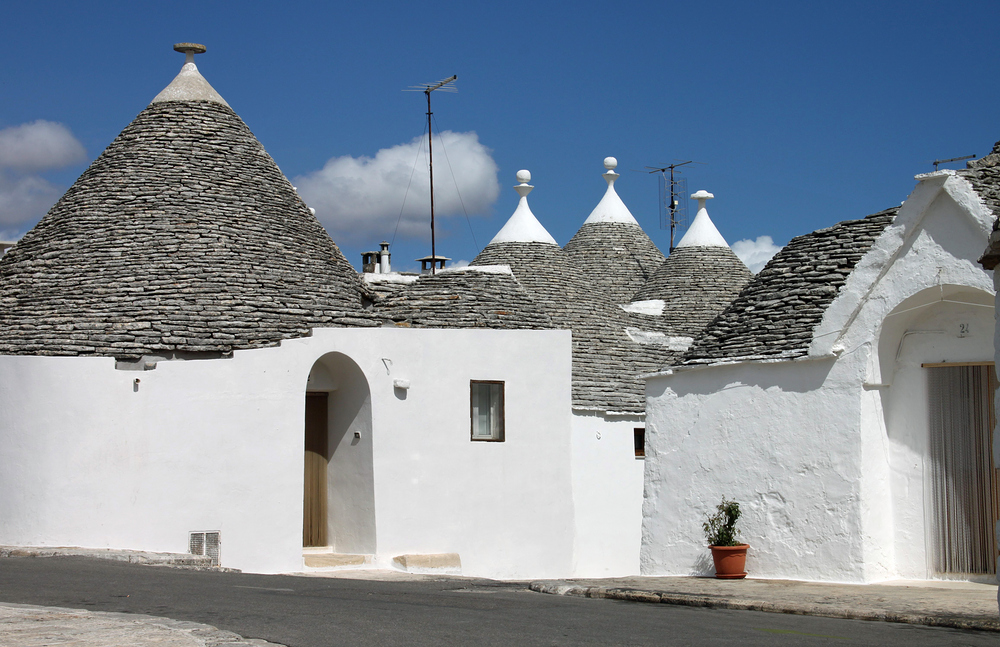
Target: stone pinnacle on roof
x,y
702,232
189,84
611,208
523,226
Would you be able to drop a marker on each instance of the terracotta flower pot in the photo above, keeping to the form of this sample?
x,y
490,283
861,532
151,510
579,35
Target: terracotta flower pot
x,y
730,561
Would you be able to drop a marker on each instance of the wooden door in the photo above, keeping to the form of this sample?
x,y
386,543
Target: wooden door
x,y
316,462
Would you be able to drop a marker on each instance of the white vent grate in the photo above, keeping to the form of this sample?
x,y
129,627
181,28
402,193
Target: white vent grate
x,y
205,543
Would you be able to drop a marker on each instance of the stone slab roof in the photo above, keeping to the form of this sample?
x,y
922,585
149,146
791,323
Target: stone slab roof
x,y
695,284
774,316
606,361
182,236
463,299
615,257
984,176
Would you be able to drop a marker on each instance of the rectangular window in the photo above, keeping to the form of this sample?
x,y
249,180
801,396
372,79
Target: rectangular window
x,y
639,435
487,410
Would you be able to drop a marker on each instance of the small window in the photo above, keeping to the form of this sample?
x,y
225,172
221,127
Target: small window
x,y
639,434
487,410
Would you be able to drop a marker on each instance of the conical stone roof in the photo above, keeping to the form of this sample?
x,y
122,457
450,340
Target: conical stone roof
x,y
182,237
699,279
606,361
614,253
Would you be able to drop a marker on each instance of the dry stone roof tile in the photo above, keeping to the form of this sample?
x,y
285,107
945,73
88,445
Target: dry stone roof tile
x,y
606,362
774,316
182,236
695,284
463,299
984,176
615,257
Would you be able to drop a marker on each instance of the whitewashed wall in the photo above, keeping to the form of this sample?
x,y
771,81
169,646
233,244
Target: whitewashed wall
x,y
826,454
89,458
778,438
607,496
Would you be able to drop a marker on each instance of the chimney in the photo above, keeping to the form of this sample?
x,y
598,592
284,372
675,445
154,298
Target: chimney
x,y
369,262
384,255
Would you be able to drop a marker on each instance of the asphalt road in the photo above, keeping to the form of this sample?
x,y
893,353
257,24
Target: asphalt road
x,y
313,612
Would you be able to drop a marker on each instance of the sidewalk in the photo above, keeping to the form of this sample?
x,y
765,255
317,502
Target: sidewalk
x,y
961,605
22,625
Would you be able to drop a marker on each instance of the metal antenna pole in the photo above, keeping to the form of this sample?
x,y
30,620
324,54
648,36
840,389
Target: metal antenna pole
x,y
673,193
427,89
430,166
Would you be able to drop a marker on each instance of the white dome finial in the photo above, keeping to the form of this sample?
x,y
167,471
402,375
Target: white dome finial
x,y
702,232
523,188
523,227
610,176
701,196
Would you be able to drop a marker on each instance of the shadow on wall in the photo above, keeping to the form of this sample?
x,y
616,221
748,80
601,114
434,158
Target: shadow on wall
x,y
704,566
789,376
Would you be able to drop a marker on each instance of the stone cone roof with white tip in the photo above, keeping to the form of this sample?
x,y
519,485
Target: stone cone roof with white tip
x,y
612,250
699,279
183,236
606,362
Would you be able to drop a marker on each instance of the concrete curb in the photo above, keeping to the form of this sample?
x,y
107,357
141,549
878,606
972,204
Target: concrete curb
x,y
827,611
35,623
146,558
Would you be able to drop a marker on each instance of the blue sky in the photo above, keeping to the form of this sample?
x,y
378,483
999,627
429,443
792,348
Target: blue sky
x,y
804,114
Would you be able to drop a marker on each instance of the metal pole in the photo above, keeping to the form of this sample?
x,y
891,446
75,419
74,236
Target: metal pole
x,y
672,202
430,157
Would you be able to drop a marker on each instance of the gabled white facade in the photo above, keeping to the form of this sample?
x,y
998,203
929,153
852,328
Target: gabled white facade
x,y
828,454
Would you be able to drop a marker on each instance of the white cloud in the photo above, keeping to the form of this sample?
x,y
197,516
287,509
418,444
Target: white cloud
x,y
24,198
358,199
38,146
755,253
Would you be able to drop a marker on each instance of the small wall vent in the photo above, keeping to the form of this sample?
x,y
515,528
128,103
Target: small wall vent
x,y
205,543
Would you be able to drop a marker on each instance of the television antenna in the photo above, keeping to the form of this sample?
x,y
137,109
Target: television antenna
x,y
953,159
673,212
427,88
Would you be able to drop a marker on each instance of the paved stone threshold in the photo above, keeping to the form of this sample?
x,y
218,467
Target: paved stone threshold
x,y
23,625
934,604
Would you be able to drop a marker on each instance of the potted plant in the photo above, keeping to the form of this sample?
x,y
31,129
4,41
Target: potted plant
x,y
729,555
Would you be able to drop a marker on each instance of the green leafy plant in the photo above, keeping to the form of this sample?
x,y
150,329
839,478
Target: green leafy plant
x,y
720,529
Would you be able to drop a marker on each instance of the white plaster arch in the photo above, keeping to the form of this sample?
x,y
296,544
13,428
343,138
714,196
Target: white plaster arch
x,y
941,324
350,475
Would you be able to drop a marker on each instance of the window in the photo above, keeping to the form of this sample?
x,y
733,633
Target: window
x,y
487,410
639,436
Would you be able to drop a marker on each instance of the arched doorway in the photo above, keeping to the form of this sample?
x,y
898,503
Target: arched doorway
x,y
936,383
339,485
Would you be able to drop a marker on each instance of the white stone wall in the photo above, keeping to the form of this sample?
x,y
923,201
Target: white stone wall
x,y
778,438
90,458
607,495
828,454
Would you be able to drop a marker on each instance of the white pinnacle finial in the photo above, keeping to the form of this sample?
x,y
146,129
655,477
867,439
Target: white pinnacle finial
x,y
610,176
702,232
189,50
611,208
189,85
523,227
523,188
701,196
